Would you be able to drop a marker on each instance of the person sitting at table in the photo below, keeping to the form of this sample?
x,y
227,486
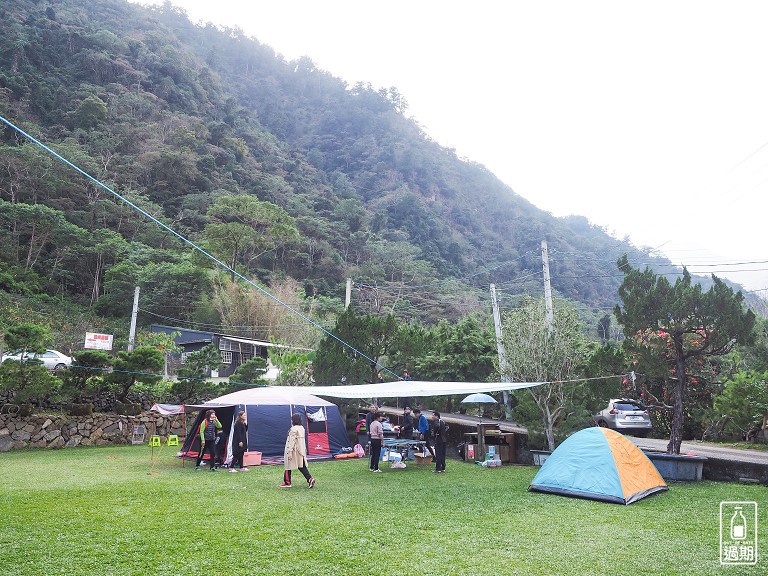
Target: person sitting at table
x,y
424,432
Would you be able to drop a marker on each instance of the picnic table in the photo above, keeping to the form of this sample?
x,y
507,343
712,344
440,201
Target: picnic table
x,y
403,446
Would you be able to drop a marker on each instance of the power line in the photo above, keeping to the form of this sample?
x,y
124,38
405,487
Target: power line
x,y
224,326
733,168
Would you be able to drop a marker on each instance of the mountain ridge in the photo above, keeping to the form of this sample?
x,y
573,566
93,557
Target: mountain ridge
x,y
178,115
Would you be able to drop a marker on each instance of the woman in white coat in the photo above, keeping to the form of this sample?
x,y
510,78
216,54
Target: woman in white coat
x,y
295,454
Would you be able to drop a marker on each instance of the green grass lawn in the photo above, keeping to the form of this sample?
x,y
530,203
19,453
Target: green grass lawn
x,y
99,511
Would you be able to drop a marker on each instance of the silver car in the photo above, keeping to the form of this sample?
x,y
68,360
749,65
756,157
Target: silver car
x,y
625,415
51,359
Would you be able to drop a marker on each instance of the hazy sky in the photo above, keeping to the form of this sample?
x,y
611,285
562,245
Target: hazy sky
x,y
649,118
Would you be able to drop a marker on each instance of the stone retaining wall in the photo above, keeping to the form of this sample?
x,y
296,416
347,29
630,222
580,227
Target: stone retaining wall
x,y
64,431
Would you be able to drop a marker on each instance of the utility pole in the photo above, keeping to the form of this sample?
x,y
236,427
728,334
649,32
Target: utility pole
x,y
500,348
348,298
134,313
550,316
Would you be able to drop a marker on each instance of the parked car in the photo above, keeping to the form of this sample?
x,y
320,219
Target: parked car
x,y
624,415
51,359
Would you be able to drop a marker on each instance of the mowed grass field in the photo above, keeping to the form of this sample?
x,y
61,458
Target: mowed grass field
x,y
115,511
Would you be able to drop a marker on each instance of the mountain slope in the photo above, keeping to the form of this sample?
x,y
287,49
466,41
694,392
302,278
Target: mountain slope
x,y
175,115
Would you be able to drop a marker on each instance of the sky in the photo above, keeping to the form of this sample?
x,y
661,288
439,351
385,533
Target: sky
x,y
648,118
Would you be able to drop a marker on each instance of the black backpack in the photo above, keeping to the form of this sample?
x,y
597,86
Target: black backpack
x,y
210,431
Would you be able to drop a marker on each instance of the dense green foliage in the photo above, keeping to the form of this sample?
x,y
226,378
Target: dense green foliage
x,y
338,364
744,402
27,380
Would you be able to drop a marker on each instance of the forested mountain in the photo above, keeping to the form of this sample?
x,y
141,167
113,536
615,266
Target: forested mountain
x,y
277,168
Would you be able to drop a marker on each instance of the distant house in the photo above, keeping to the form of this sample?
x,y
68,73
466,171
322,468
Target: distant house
x,y
234,350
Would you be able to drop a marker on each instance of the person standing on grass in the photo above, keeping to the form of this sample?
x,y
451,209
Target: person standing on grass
x,y
369,418
239,443
377,439
295,454
208,428
406,428
441,437
422,424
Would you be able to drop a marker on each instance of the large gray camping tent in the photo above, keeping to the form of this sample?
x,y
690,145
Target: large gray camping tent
x,y
269,411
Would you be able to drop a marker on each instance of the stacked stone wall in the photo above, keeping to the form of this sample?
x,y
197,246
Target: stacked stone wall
x,y
64,431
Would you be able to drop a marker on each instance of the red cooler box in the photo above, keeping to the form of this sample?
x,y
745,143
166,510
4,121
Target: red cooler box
x,y
252,458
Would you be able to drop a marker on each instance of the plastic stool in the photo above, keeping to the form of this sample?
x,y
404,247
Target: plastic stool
x,y
173,440
154,440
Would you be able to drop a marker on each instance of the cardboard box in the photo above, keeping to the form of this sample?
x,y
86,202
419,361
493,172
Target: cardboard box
x,y
422,458
252,459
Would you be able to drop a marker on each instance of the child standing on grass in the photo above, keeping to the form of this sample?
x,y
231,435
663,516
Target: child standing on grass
x,y
239,443
295,454
208,428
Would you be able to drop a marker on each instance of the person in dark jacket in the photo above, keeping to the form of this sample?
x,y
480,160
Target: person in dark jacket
x,y
239,443
208,428
441,437
369,418
406,427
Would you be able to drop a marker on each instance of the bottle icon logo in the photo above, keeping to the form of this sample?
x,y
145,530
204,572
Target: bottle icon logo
x,y
738,533
738,525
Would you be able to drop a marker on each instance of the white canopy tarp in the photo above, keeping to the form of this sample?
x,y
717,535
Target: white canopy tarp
x,y
412,388
167,409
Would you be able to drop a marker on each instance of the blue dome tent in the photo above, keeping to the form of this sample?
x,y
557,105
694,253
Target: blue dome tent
x,y
599,464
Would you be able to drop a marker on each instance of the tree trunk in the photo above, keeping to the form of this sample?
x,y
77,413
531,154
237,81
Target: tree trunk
x,y
549,431
676,433
507,404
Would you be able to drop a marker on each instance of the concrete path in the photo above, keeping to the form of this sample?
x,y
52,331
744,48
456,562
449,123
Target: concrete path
x,y
708,450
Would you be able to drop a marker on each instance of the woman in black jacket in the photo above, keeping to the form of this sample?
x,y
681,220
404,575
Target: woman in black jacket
x,y
239,443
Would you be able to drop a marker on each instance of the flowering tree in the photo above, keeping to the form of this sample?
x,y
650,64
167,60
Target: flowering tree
x,y
697,324
651,356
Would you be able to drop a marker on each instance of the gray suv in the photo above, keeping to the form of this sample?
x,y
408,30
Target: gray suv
x,y
625,415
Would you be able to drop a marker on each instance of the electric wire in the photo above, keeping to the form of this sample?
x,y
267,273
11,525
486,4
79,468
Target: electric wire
x,y
222,326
